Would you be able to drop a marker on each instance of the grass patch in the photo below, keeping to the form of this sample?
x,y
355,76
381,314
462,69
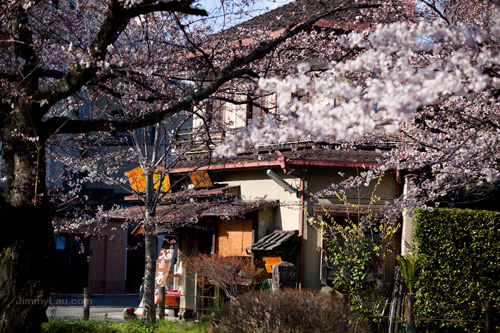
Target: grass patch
x,y
91,326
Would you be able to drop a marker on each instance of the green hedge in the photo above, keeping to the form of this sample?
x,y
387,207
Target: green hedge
x,y
460,254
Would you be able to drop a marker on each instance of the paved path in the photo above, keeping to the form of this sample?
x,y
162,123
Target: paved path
x,y
101,313
102,307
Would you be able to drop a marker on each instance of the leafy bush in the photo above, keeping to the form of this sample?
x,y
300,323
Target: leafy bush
x,y
459,251
409,266
287,311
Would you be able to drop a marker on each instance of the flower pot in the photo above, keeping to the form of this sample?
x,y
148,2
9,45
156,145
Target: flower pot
x,y
128,317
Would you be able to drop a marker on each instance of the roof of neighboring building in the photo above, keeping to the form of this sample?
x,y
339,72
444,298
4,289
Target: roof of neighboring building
x,y
305,157
226,191
299,11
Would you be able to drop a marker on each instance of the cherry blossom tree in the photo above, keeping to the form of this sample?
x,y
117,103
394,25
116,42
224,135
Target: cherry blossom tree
x,y
118,57
431,82
156,149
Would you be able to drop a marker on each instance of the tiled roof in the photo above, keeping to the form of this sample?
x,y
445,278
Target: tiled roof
x,y
307,157
357,155
182,211
299,11
276,241
226,191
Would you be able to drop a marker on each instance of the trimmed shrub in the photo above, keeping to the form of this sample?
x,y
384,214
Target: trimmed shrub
x,y
287,311
460,254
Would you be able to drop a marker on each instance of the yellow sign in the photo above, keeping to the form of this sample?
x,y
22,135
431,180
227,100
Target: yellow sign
x,y
270,261
201,179
137,180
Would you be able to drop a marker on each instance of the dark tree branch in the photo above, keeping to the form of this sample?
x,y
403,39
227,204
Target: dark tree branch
x,y
230,71
60,125
435,9
23,48
114,24
182,6
51,73
245,102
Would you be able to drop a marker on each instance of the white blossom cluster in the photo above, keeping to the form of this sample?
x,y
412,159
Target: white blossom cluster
x,y
435,82
382,87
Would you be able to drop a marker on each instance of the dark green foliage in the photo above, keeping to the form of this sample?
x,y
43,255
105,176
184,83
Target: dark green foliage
x,y
287,311
460,254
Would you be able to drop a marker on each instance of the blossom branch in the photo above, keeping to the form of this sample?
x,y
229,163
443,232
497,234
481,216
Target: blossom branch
x,y
117,19
229,72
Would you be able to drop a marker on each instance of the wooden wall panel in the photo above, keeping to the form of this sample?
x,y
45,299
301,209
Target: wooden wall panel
x,y
233,237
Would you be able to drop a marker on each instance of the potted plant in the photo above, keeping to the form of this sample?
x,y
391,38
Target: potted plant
x,y
129,314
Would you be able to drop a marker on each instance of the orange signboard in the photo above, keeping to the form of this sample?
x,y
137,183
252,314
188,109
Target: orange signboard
x,y
270,261
201,179
137,180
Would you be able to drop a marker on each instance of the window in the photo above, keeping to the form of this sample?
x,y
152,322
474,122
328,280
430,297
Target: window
x,y
215,114
60,242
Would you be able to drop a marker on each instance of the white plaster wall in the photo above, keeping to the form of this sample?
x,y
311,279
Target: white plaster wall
x,y
255,185
188,247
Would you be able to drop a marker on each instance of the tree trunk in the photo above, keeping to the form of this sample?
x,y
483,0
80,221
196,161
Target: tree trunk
x,y
150,247
149,277
26,237
26,266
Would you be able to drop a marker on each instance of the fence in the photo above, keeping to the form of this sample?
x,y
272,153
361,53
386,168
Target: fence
x,y
410,320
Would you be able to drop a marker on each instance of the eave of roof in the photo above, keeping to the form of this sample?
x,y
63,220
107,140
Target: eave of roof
x,y
174,212
193,193
299,158
344,210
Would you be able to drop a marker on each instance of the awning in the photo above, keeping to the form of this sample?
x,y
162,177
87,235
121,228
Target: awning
x,y
343,210
276,241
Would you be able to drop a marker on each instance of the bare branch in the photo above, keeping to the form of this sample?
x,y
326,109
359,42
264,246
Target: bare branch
x,y
435,9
